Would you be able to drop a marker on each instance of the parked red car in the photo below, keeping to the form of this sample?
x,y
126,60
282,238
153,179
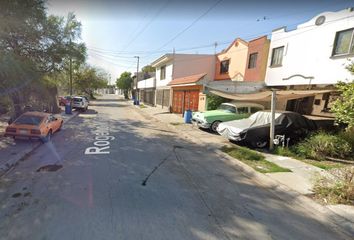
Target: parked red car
x,y
61,101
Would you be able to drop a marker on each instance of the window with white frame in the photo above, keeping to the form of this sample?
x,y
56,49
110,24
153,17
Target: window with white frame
x,y
277,56
162,72
344,42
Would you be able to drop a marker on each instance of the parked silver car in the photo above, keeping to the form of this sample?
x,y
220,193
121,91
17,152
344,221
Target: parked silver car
x,y
80,103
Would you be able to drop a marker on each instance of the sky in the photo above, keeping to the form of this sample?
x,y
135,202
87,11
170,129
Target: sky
x,y
117,31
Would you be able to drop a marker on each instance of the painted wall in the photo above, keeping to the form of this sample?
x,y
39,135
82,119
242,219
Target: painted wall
x,y
308,52
191,64
147,83
237,54
260,46
169,70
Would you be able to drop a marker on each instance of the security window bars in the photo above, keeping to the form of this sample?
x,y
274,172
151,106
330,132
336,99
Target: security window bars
x,y
224,66
344,42
277,56
252,60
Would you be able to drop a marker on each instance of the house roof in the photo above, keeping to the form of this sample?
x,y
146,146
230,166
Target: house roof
x,y
187,80
162,59
236,40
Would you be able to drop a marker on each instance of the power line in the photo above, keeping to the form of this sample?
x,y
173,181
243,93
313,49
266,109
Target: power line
x,y
148,23
191,24
226,42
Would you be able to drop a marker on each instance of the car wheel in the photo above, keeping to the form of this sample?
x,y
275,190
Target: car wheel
x,y
259,144
214,126
61,124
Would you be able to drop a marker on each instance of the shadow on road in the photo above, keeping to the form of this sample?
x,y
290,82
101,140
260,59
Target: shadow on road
x,y
191,191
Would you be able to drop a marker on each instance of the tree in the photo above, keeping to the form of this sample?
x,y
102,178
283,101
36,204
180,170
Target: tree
x,y
87,79
124,82
148,69
33,48
343,107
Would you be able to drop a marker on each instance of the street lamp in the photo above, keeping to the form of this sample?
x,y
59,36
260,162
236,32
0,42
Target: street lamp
x,y
137,78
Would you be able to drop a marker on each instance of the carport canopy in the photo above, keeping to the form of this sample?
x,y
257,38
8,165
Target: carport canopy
x,y
265,96
272,96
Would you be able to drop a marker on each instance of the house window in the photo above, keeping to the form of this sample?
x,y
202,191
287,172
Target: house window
x,y
224,66
344,43
252,60
162,72
277,56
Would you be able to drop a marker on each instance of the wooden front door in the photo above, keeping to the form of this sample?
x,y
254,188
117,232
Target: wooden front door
x,y
191,100
185,100
177,102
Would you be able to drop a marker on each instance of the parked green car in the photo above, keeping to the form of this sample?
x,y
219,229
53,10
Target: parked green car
x,y
225,112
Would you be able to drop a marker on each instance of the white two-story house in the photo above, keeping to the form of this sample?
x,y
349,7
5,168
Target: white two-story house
x,y
180,80
312,58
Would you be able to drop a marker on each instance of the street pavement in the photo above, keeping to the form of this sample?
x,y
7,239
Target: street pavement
x,y
144,181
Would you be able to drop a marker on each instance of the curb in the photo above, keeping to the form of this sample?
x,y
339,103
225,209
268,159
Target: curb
x,y
13,162
339,223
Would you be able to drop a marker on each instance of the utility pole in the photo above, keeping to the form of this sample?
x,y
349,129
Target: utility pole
x,y
137,79
272,124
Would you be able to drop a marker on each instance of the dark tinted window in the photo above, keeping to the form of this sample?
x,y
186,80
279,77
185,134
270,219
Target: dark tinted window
x,y
29,120
224,66
77,99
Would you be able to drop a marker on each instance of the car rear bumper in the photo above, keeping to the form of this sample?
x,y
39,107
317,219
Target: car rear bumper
x,y
16,135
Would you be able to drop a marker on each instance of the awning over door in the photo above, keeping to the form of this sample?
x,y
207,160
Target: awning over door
x,y
265,96
192,79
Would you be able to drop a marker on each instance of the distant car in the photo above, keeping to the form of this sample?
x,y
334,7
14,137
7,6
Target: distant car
x,y
254,131
87,99
225,112
34,125
80,103
61,101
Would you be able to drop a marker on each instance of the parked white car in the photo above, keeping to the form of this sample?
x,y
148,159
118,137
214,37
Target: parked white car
x,y
80,103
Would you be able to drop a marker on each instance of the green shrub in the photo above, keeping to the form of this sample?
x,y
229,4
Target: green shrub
x,y
337,187
214,101
321,145
348,136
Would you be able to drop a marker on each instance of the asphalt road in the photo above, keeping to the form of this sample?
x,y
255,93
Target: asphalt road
x,y
153,184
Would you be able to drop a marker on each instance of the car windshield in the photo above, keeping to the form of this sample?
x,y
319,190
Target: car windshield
x,y
77,99
227,108
29,120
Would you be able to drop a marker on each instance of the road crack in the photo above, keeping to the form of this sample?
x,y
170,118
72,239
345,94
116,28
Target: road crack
x,y
159,165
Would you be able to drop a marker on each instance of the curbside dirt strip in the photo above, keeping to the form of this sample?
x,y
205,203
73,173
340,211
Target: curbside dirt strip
x,y
342,225
9,164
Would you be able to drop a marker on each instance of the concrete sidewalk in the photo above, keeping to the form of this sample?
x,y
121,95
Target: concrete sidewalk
x,y
11,152
300,179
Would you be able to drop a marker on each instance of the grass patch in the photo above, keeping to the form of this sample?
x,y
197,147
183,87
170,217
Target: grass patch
x,y
176,123
253,159
142,106
326,165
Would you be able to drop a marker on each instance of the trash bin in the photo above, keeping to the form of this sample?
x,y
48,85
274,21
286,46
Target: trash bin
x,y
68,108
188,116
